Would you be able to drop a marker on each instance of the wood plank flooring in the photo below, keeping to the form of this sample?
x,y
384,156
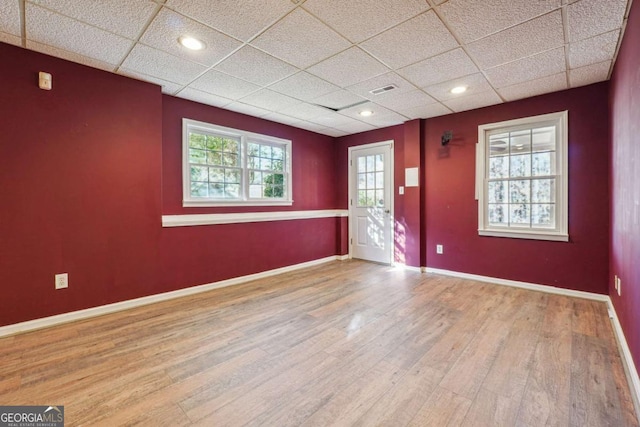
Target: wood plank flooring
x,y
344,343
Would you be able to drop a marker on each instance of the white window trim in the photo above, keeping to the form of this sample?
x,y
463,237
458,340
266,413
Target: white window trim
x,y
188,201
560,233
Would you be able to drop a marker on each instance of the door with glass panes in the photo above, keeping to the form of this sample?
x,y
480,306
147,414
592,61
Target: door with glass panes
x,y
370,202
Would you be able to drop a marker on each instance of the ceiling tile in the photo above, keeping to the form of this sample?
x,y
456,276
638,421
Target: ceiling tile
x,y
381,116
332,119
240,19
147,60
313,127
477,100
11,39
593,50
416,39
303,111
534,67
70,56
52,29
553,83
203,97
269,100
425,111
224,85
255,66
518,42
405,100
358,20
10,17
355,127
475,83
447,66
249,110
167,27
338,99
304,86
124,17
167,87
349,67
593,73
364,89
587,18
301,39
336,133
282,118
473,19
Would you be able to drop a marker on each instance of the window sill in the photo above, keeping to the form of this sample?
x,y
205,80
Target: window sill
x,y
209,203
537,235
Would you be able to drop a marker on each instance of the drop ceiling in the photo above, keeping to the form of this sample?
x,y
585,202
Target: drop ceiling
x,y
312,64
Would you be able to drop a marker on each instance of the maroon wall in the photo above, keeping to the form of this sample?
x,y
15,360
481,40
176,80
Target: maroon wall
x,y
83,191
452,211
625,182
79,176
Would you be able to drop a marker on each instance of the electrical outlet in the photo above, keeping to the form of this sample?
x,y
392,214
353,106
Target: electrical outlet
x,y
62,281
439,249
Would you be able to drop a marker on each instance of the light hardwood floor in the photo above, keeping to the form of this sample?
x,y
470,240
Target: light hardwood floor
x,y
344,343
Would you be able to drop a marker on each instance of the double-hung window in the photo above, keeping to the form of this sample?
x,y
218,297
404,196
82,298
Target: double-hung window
x,y
522,178
231,167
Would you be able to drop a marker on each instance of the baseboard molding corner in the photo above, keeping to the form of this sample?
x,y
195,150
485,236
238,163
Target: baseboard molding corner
x,y
58,319
523,285
627,359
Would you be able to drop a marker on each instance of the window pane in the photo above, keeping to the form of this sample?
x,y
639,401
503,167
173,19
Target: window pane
x,y
255,191
520,142
543,190
362,181
543,215
231,145
253,149
196,140
519,191
498,214
199,173
216,175
519,214
277,153
379,163
265,151
362,164
273,185
216,190
371,180
371,197
215,143
214,158
232,176
362,197
521,165
498,144
265,164
277,165
371,164
255,178
379,179
199,189
499,167
197,156
231,160
544,139
380,198
253,162
232,190
544,164
497,192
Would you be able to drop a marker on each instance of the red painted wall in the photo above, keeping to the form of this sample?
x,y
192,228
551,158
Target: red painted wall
x,y
452,211
625,183
86,175
79,176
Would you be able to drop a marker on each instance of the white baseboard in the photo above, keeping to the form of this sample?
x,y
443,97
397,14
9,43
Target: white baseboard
x,y
625,352
407,267
524,285
627,359
47,322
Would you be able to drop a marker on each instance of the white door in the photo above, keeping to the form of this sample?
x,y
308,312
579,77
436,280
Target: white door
x,y
371,202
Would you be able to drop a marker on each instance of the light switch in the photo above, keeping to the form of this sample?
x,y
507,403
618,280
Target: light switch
x,y
44,80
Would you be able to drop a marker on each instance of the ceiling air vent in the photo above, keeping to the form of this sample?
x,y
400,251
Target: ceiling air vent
x,y
383,89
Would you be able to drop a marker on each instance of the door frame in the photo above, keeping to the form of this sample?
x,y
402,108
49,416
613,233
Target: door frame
x,y
350,169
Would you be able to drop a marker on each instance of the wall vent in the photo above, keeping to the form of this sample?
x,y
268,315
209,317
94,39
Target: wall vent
x,y
383,89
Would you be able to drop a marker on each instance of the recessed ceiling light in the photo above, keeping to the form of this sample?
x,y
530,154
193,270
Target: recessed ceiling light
x,y
366,113
459,89
191,43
